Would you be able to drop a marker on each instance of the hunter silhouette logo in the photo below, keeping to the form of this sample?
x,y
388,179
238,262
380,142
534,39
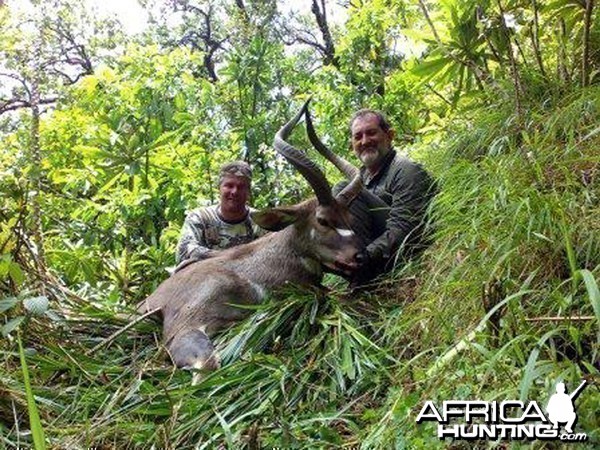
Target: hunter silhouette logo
x,y
509,419
560,406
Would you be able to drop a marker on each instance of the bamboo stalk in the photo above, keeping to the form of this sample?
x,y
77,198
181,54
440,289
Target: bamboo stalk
x,y
558,318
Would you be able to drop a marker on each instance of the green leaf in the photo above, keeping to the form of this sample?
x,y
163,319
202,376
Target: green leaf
x,y
16,273
182,117
179,101
7,303
10,326
226,429
36,305
593,291
431,67
37,431
530,369
347,360
170,137
4,265
529,374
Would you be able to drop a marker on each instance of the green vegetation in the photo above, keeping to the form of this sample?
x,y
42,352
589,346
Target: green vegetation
x,y
106,140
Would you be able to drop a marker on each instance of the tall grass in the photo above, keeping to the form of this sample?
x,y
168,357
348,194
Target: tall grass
x,y
37,431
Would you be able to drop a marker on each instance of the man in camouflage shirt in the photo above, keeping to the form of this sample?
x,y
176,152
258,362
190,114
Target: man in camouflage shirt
x,y
389,214
220,226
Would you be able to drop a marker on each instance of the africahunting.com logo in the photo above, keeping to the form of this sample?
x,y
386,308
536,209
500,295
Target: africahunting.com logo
x,y
510,419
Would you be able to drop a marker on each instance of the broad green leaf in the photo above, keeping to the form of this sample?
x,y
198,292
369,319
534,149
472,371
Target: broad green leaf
x,y
11,325
8,303
593,291
530,371
16,273
431,67
36,305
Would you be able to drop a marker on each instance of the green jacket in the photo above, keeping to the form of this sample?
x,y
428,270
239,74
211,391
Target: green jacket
x,y
407,189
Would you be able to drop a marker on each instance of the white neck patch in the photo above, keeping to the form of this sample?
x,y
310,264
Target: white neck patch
x,y
344,233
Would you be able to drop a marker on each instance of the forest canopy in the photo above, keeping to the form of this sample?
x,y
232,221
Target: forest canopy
x,y
108,137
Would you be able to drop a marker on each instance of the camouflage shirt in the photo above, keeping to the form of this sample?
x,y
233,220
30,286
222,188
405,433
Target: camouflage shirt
x,y
407,189
205,230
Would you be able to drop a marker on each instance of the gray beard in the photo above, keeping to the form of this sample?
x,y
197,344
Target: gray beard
x,y
369,159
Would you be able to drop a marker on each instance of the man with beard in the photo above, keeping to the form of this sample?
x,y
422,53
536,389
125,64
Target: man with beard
x,y
220,226
390,213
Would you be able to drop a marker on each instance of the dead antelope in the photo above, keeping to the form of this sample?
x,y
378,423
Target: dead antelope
x,y
312,237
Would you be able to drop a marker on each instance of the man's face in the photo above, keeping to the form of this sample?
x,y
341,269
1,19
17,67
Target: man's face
x,y
234,192
369,142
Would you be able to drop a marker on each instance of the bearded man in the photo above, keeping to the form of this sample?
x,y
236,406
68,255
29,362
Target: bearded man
x,y
390,212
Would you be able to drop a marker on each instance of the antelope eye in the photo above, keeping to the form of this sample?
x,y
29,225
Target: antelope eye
x,y
322,222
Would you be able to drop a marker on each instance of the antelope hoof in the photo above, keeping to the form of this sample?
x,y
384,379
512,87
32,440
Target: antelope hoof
x,y
193,350
201,367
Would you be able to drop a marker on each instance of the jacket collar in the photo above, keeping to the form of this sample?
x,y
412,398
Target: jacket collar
x,y
242,220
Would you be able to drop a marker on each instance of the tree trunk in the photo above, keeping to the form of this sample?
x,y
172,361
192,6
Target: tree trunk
x,y
535,39
36,160
585,66
328,48
514,69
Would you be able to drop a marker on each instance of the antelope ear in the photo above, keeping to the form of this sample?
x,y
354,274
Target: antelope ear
x,y
276,219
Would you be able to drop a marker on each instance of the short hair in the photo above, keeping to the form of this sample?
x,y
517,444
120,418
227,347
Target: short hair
x,y
384,124
235,168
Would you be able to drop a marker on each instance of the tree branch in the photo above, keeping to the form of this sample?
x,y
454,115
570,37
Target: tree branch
x,y
15,77
204,39
535,39
320,14
242,8
14,104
